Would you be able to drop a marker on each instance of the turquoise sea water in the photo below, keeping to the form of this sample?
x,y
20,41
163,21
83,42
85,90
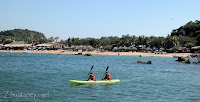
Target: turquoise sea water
x,y
46,77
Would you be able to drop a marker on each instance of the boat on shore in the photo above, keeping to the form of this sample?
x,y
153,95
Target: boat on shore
x,y
80,82
181,56
175,56
188,56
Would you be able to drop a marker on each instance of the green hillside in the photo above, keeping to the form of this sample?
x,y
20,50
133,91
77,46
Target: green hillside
x,y
22,35
191,29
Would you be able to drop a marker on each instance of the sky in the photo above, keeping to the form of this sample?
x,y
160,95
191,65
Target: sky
x,y
97,18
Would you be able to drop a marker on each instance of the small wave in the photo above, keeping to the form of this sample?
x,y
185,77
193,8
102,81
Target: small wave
x,y
170,72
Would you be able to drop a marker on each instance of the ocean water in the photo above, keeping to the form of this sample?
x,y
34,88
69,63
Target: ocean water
x,y
46,77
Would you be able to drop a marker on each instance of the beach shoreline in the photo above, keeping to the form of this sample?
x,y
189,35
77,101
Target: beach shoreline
x,y
102,53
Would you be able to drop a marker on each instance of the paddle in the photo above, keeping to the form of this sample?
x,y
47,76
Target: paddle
x,y
89,72
105,72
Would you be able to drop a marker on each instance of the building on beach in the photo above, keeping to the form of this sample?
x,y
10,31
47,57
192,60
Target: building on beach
x,y
80,48
124,49
21,45
17,45
196,49
183,50
1,46
49,46
141,48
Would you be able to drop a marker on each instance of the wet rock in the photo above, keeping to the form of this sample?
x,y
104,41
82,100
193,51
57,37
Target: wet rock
x,y
79,53
88,54
181,59
188,61
149,62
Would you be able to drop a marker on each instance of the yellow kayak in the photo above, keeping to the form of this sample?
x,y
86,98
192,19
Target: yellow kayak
x,y
79,82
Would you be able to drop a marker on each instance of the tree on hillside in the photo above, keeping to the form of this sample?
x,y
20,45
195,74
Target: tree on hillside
x,y
175,40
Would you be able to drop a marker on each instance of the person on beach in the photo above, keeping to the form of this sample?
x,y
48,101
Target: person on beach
x,y
91,77
107,76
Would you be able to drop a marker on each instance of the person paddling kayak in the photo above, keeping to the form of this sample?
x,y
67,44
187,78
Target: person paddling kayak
x,y
91,77
107,76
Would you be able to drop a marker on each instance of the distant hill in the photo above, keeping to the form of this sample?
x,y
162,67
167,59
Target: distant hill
x,y
191,29
22,35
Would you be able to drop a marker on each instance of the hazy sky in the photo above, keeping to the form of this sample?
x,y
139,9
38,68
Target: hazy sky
x,y
96,18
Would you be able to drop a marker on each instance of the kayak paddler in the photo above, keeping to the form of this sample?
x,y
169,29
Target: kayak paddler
x,y
91,77
107,76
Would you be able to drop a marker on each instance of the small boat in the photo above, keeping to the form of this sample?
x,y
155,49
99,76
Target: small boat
x,y
181,56
79,82
175,56
187,56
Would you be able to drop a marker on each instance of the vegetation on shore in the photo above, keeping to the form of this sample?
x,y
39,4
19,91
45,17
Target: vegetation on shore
x,y
185,36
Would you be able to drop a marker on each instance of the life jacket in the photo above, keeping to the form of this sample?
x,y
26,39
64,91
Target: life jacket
x,y
92,77
108,76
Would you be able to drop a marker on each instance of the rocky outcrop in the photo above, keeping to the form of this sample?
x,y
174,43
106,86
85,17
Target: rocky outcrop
x,y
188,61
149,62
183,60
88,54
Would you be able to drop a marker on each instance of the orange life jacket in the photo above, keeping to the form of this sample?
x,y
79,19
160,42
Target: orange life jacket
x,y
108,76
92,77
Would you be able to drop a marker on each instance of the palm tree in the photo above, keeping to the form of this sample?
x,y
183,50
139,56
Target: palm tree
x,y
175,40
56,38
52,39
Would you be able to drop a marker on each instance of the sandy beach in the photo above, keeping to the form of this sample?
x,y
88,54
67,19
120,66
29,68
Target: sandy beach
x,y
103,53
